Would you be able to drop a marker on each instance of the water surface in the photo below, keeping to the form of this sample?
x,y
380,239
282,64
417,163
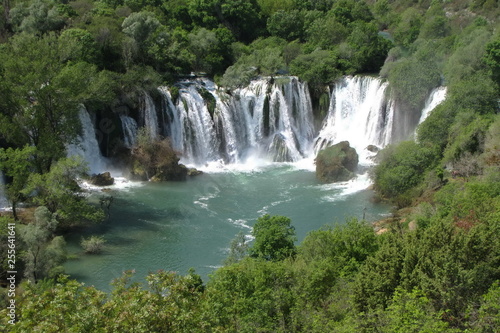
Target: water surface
x,y
178,225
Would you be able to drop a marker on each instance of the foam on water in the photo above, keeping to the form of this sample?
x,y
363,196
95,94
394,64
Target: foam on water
x,y
240,223
250,165
120,184
342,190
306,164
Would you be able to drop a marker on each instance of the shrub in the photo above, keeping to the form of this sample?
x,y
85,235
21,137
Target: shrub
x,y
402,168
93,244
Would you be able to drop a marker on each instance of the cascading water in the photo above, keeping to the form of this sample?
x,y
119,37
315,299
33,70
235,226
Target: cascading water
x,y
264,120
170,120
4,202
358,113
199,137
129,128
88,147
270,119
436,97
150,116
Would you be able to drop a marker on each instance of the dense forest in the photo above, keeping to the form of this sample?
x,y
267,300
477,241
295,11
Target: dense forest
x,y
434,266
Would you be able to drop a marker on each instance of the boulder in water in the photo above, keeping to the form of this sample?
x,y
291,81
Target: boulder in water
x,y
172,172
156,160
336,163
102,179
194,172
373,148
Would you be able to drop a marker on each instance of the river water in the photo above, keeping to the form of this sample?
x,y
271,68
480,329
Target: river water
x,y
178,225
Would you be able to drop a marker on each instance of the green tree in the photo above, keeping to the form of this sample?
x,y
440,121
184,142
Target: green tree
x,y
347,245
59,191
317,68
288,25
250,296
263,57
435,24
488,315
370,49
492,59
269,7
411,81
108,36
54,307
322,5
274,238
78,45
402,167
140,26
237,249
327,32
435,129
204,44
413,312
243,18
380,275
38,18
491,156
44,253
408,29
348,11
44,95
468,57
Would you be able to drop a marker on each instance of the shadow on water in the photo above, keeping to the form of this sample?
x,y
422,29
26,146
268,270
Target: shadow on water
x,y
124,214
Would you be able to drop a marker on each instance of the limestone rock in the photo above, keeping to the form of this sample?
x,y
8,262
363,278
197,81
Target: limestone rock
x,y
336,163
194,172
373,148
102,179
172,172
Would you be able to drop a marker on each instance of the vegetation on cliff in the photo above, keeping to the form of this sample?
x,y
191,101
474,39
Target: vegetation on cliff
x,y
155,159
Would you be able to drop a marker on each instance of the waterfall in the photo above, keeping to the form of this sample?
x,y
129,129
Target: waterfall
x,y
359,113
4,202
148,112
264,120
129,128
88,147
270,119
199,138
436,97
171,121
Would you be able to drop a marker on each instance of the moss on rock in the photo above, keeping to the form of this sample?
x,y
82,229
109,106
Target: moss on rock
x,y
336,163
